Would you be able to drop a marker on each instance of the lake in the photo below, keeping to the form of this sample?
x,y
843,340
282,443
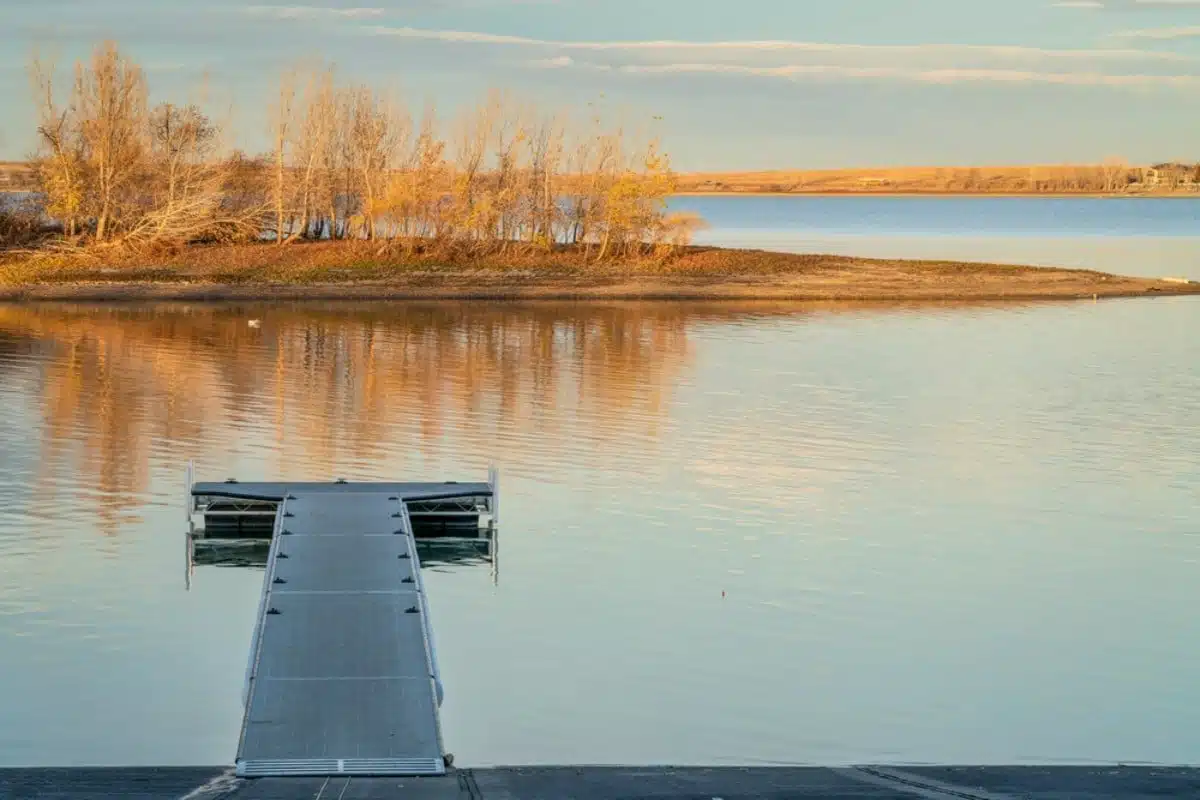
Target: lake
x,y
733,533
1149,237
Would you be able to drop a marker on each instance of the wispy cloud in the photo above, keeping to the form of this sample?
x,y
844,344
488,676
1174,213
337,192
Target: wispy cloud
x,y
313,12
1128,5
1165,34
558,62
1013,52
937,63
470,37
931,76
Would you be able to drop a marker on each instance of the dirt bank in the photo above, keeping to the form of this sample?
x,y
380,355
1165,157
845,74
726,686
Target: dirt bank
x,y
348,271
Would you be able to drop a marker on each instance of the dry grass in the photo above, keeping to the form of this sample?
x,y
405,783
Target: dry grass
x,y
16,176
350,269
20,226
1027,179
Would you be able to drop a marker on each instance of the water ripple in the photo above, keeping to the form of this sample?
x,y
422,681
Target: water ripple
x,y
718,520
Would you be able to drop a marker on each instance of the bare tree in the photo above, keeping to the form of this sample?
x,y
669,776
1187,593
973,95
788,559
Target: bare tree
x,y
283,113
545,151
474,132
182,143
1110,170
110,95
378,130
94,146
317,119
59,166
344,163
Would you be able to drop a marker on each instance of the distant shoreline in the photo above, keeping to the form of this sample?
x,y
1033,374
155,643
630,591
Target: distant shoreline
x,y
900,194
694,192
1169,180
1110,179
948,195
353,270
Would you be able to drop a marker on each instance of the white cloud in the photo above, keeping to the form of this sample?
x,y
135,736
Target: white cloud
x,y
933,76
470,37
1128,5
1166,34
800,60
313,12
1014,52
558,62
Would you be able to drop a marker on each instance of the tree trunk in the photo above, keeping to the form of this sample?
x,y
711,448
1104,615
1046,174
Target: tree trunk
x,y
102,222
279,194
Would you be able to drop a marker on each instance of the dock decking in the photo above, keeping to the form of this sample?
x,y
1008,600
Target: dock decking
x,y
342,677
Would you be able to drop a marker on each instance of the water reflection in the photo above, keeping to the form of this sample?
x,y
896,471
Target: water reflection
x,y
253,555
306,391
732,533
324,387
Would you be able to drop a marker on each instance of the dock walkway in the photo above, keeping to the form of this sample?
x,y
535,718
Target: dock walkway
x,y
342,678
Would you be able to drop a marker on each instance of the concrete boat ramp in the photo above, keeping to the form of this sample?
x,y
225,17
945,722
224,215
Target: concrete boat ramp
x,y
619,783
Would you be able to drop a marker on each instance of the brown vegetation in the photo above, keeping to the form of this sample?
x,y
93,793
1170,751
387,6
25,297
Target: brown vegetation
x,y
16,176
1112,177
355,198
21,222
347,163
356,269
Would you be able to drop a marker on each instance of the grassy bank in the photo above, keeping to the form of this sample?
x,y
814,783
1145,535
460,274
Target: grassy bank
x,y
347,269
1085,180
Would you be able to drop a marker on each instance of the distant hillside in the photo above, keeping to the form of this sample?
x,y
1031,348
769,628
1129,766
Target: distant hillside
x,y
15,176
1113,178
1109,178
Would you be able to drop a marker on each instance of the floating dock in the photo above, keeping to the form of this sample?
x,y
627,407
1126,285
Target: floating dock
x,y
453,523
342,677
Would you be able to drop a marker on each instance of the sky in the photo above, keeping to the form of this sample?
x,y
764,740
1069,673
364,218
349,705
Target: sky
x,y
738,84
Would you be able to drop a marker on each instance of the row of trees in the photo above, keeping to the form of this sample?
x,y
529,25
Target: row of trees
x,y
345,162
1114,175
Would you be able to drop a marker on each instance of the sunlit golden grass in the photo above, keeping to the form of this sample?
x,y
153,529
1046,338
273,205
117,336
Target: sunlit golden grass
x,y
363,270
1112,177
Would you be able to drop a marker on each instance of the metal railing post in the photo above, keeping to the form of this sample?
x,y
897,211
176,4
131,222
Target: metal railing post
x,y
494,485
190,481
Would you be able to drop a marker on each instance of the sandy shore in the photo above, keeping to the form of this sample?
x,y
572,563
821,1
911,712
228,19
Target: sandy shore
x,y
447,288
337,271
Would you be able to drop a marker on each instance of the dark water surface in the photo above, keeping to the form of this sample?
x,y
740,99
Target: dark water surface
x,y
944,533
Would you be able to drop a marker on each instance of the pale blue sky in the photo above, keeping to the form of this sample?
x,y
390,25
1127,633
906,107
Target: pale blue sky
x,y
741,84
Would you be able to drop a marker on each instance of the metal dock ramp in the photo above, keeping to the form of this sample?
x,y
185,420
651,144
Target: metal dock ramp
x,y
342,678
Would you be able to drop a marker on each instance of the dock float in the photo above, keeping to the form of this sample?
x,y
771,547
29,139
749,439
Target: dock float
x,y
342,677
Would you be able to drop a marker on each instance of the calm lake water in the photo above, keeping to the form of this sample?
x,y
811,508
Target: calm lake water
x,y
944,533
1152,237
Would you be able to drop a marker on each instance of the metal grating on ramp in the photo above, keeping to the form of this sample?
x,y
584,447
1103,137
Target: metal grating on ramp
x,y
342,678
